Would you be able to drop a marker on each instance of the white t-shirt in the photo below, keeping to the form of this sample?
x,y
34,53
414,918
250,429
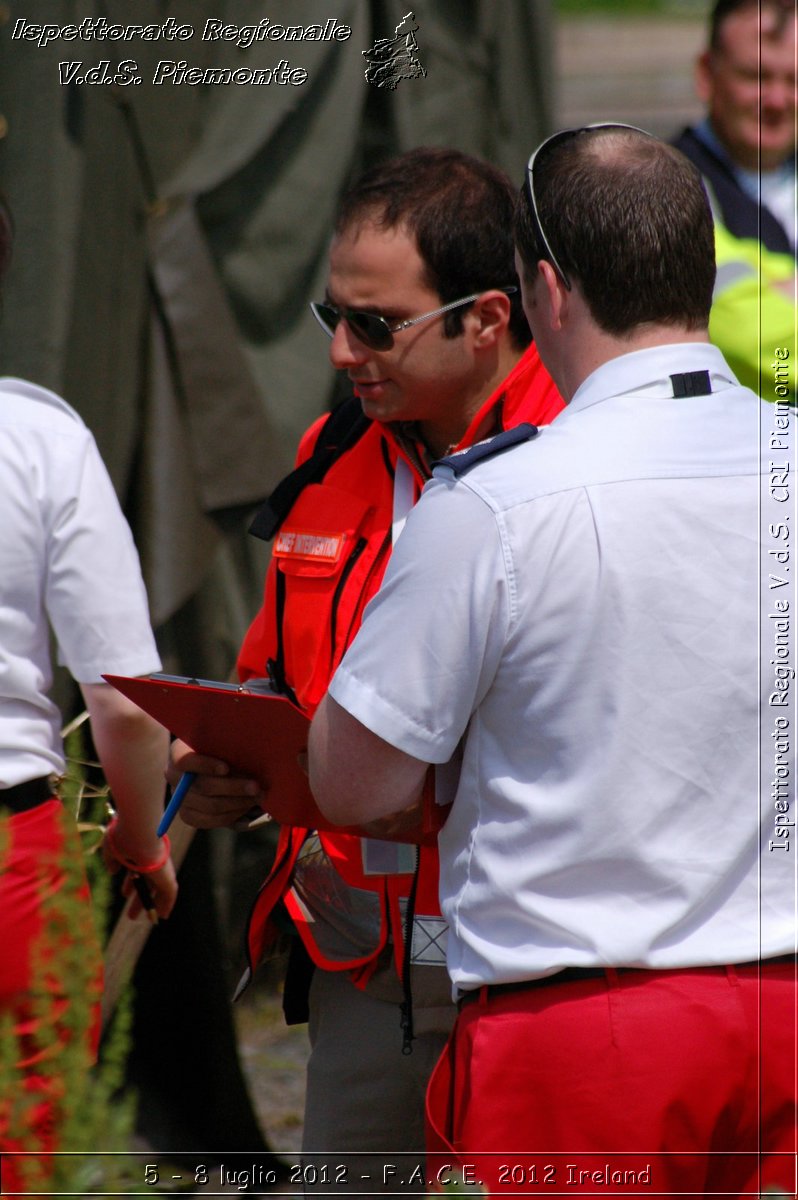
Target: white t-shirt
x,y
582,612
67,554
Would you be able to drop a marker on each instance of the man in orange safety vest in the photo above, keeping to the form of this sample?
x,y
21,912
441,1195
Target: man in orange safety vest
x,y
423,311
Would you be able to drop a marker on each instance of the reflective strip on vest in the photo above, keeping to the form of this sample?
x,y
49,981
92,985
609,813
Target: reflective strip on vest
x,y
429,942
338,923
387,858
729,274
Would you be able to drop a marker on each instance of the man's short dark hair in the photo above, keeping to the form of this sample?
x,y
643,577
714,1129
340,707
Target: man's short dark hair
x,y
460,212
781,9
627,217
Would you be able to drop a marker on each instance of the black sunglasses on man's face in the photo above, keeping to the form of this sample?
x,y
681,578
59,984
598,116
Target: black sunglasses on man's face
x,y
372,329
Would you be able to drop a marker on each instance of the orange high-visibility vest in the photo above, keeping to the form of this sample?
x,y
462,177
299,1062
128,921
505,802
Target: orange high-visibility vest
x,y
329,557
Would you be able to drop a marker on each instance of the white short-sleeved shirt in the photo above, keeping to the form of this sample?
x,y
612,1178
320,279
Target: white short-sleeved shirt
x,y
582,613
66,553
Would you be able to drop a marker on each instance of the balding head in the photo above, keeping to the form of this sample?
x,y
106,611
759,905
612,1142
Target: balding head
x,y
627,219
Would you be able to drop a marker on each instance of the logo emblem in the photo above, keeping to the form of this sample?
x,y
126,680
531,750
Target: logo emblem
x,y
391,60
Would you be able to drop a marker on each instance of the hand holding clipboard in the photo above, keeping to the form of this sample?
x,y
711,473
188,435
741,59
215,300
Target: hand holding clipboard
x,y
260,734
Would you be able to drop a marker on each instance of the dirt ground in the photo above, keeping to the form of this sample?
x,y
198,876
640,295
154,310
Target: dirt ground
x,y
273,1057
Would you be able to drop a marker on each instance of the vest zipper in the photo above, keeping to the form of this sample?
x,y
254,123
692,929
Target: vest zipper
x,y
359,547
361,604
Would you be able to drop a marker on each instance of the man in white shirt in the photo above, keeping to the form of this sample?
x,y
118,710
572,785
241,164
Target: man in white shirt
x,y
579,619
68,565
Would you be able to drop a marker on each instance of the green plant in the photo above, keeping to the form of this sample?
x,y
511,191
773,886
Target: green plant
x,y
76,1107
456,1186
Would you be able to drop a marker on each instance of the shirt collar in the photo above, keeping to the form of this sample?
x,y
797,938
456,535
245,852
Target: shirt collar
x,y
706,134
487,421
750,181
407,436
648,373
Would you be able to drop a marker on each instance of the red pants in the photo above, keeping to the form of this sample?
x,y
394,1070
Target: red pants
x,y
637,1083
49,953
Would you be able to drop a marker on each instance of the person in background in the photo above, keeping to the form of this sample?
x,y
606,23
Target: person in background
x,y
67,563
753,317
745,149
422,309
578,618
745,146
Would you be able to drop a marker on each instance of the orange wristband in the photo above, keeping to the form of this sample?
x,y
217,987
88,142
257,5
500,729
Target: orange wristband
x,y
130,863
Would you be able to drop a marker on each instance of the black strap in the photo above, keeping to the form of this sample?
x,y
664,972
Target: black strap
x,y
275,667
406,1007
691,383
342,429
298,976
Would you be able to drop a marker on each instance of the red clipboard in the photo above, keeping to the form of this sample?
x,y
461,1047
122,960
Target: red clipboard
x,y
232,722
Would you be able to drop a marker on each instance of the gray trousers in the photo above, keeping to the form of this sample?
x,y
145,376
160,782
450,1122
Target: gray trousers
x,y
364,1106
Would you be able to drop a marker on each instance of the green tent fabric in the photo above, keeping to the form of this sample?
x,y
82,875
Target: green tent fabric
x,y
170,236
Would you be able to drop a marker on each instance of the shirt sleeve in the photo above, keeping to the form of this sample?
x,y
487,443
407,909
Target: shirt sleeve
x,y
94,595
432,637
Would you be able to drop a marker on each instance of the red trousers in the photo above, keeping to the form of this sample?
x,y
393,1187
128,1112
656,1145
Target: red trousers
x,y
49,951
636,1083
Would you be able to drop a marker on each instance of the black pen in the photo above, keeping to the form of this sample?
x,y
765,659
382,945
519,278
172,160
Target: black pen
x,y
145,896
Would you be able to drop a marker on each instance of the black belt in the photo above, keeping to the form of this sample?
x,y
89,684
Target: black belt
x,y
23,796
567,975
572,974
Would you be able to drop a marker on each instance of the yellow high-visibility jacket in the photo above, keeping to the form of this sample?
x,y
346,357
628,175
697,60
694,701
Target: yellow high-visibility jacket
x,y
754,319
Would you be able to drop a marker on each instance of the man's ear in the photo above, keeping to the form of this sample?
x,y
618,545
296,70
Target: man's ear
x,y
703,77
555,294
492,314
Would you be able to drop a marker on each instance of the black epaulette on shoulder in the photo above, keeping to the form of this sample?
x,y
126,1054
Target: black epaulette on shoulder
x,y
463,460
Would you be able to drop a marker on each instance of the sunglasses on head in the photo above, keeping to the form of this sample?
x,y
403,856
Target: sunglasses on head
x,y
373,330
529,182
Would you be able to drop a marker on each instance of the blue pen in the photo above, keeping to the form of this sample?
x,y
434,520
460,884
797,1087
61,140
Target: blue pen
x,y
178,795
